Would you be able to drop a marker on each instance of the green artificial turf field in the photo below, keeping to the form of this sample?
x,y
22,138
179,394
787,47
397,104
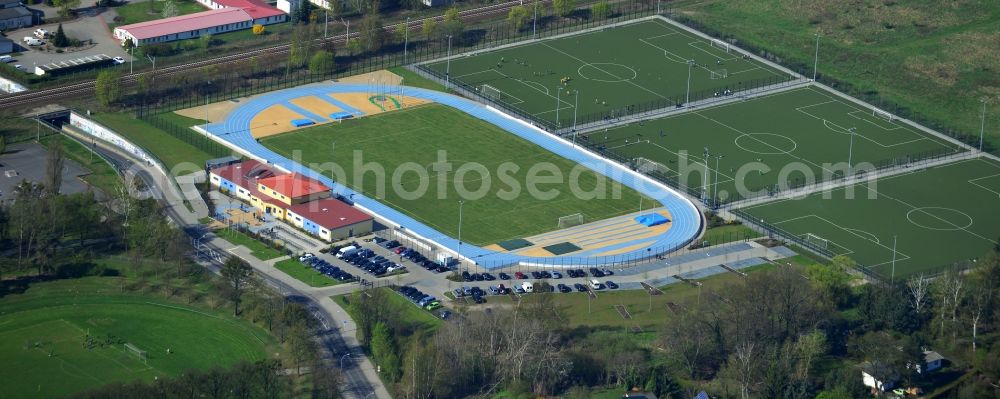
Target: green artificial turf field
x,y
799,131
939,216
43,337
414,137
640,65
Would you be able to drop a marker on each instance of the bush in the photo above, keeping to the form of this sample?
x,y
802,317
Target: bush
x,y
258,29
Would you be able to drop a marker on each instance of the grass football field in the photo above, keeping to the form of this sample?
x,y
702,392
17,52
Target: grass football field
x,y
635,65
770,141
43,330
415,136
938,216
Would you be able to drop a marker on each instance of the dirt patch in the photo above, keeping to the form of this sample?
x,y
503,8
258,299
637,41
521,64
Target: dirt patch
x,y
378,77
217,112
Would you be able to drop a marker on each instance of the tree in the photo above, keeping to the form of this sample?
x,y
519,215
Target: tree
x,y
563,8
303,348
384,351
742,367
258,29
107,87
919,289
65,6
399,33
54,167
60,39
429,28
370,32
600,10
518,17
169,9
321,63
452,24
832,280
237,275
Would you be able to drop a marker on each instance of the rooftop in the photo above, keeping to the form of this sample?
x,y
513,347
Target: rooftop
x,y
246,173
9,3
13,12
184,23
255,8
294,185
330,213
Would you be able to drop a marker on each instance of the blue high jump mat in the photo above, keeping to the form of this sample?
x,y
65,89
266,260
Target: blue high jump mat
x,y
652,219
339,116
302,122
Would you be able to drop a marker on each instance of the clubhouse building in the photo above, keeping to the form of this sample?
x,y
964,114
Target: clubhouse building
x,y
291,197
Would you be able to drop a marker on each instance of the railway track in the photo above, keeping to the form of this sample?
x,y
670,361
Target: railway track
x,y
75,90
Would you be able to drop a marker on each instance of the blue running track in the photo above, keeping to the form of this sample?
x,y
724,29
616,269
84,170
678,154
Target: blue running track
x,y
685,216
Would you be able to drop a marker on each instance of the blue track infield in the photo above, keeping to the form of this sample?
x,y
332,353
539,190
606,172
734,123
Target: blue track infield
x,y
686,219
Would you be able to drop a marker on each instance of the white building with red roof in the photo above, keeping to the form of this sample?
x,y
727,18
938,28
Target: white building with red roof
x,y
225,16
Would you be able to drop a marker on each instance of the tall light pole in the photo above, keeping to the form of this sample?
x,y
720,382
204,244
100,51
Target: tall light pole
x,y
687,97
704,184
576,105
816,58
460,204
207,84
326,17
406,37
715,182
982,125
447,70
850,153
558,92
534,22
892,277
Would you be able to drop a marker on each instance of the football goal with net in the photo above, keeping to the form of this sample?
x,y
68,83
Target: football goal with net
x,y
720,74
134,350
575,219
817,241
494,94
878,113
719,44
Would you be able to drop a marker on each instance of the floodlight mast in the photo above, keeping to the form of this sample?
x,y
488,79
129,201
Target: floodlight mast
x,y
816,58
687,97
850,154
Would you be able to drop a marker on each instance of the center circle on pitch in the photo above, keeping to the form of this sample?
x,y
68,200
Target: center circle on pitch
x,y
765,143
939,218
608,72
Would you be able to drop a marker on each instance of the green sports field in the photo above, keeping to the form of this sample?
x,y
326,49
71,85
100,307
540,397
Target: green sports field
x,y
43,333
939,216
638,65
415,136
766,141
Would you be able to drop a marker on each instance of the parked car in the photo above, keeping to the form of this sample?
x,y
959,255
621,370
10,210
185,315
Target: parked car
x,y
611,285
399,250
519,276
305,256
466,276
41,33
118,60
488,277
580,287
444,315
518,289
564,288
6,59
536,275
557,275
504,276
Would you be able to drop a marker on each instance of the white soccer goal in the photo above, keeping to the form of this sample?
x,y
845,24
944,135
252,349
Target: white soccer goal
x,y
491,93
882,114
575,219
816,240
720,74
644,165
720,44
141,354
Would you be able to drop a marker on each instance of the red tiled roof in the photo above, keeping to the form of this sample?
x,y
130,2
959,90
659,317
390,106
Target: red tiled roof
x,y
255,8
330,213
294,185
245,174
189,22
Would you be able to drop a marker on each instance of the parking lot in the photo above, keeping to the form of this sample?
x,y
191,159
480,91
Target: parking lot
x,y
27,161
88,27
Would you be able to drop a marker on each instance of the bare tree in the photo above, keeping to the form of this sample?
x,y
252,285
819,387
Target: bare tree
x,y
979,302
919,287
741,366
54,167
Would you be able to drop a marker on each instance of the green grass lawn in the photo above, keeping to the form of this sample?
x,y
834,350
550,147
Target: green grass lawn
x,y
170,150
43,329
138,11
729,233
407,315
938,216
305,274
257,248
410,78
937,59
767,142
102,175
414,137
639,65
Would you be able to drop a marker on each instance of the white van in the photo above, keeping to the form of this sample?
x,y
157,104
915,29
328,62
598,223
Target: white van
x,y
33,42
594,284
346,251
527,286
